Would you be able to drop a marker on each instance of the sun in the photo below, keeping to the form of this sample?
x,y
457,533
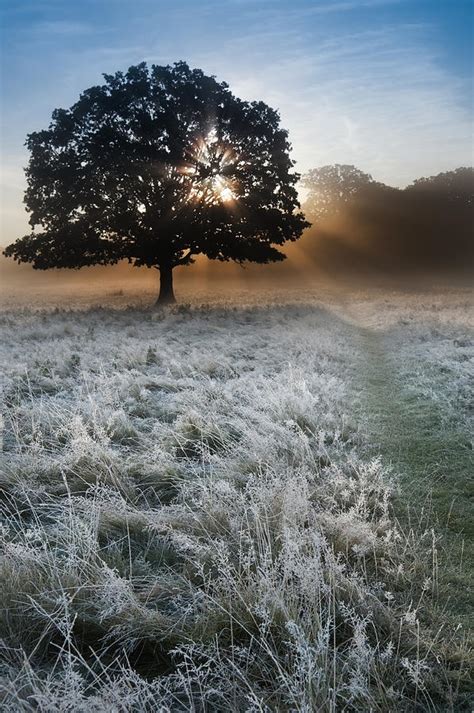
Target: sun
x,y
226,194
221,188
207,172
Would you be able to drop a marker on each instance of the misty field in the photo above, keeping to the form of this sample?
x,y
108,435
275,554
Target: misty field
x,y
234,505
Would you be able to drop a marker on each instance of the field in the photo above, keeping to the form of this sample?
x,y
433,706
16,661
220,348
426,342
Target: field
x,y
238,504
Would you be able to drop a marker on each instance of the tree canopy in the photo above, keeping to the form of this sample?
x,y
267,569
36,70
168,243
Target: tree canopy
x,y
456,186
329,188
367,226
155,166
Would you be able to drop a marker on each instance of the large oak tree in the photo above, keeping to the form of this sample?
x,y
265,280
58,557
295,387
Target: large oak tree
x,y
155,166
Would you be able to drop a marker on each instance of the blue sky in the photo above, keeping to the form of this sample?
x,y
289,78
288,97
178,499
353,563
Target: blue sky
x,y
384,84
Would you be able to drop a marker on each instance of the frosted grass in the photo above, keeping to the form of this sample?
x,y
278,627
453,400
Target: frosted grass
x,y
190,523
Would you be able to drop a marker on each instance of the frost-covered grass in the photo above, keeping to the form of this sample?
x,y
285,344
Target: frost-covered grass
x,y
194,517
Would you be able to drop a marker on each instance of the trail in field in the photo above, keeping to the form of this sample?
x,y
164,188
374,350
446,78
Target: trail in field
x,y
431,458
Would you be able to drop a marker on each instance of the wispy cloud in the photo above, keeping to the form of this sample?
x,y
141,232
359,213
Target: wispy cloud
x,y
62,28
378,98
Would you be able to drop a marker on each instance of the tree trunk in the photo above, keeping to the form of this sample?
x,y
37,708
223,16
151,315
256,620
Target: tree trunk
x,y
166,296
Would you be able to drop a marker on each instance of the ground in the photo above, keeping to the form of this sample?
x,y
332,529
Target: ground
x,y
238,504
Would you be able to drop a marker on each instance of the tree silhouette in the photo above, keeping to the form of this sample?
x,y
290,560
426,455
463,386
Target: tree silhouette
x,y
368,227
456,186
156,166
331,187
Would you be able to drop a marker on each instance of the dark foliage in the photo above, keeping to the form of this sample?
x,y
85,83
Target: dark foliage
x,y
426,226
156,166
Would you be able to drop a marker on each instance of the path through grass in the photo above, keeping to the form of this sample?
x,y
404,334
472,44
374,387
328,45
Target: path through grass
x,y
432,457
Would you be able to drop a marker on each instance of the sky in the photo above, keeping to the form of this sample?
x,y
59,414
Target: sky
x,y
386,85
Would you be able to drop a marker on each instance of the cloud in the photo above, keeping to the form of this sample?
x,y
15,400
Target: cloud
x,y
60,28
378,98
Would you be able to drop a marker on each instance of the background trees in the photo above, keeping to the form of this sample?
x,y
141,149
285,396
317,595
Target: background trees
x,y
454,186
156,166
330,188
364,225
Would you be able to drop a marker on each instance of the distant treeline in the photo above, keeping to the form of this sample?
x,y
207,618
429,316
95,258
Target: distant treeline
x,y
362,224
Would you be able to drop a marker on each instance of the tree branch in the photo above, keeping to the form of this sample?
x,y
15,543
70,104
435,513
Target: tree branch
x,y
185,259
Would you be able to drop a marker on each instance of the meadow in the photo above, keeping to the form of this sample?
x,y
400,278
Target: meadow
x,y
241,503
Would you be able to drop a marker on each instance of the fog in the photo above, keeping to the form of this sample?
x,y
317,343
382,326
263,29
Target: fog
x,y
120,285
363,234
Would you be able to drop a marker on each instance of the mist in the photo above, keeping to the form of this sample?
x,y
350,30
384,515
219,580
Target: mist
x,y
367,235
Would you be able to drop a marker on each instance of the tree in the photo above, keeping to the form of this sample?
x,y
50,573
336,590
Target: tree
x,y
156,166
456,186
442,208
331,187
423,228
